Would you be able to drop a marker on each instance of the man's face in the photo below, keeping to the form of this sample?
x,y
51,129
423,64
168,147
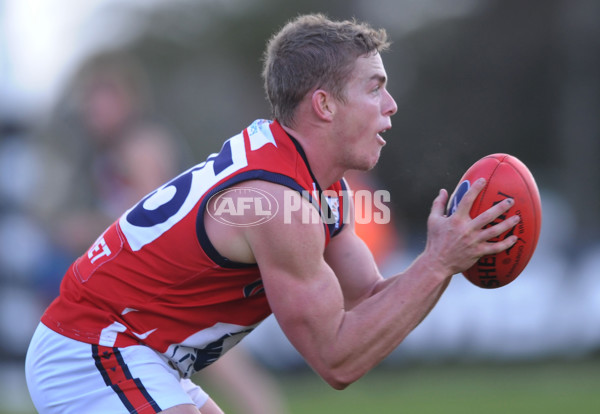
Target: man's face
x,y
365,114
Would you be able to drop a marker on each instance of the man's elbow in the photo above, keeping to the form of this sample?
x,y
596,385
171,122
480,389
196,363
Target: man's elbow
x,y
339,379
337,384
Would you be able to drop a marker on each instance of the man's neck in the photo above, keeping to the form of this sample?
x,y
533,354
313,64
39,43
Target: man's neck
x,y
321,159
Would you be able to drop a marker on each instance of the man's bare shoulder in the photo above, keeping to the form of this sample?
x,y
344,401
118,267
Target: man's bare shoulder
x,y
258,212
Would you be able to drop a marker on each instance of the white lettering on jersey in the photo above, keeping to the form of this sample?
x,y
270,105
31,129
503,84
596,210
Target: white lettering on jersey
x,y
99,250
104,249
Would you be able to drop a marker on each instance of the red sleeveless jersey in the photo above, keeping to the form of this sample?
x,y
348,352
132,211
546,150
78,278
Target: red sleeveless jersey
x,y
154,278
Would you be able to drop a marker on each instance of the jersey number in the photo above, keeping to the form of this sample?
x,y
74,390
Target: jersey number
x,y
166,206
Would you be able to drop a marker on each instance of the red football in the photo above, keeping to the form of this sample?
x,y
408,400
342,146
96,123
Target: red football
x,y
506,177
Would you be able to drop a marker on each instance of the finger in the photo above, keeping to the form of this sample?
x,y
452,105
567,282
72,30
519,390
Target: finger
x,y
494,248
493,213
500,228
464,206
438,208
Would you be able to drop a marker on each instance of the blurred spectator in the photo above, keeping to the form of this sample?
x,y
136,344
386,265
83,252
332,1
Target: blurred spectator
x,y
113,151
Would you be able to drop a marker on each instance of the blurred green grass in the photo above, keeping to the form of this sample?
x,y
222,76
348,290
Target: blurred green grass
x,y
566,386
552,387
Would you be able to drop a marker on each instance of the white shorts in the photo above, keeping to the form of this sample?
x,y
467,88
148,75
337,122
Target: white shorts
x,y
66,376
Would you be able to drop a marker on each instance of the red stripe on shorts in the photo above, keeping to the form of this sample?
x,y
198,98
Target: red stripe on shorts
x,y
116,375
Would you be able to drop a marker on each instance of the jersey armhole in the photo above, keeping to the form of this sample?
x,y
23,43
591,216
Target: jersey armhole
x,y
263,175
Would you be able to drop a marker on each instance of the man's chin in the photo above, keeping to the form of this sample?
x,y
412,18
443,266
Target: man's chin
x,y
368,166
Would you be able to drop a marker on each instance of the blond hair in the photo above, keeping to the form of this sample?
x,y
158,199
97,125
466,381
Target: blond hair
x,y
310,52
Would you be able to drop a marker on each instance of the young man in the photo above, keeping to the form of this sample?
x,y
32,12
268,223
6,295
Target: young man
x,y
182,276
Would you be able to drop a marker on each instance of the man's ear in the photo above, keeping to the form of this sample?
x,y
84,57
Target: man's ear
x,y
323,104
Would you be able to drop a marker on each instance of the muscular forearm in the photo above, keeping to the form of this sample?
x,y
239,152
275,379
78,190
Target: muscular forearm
x,y
371,330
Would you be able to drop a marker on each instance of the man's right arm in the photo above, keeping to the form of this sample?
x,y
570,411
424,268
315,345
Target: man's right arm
x,y
342,340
